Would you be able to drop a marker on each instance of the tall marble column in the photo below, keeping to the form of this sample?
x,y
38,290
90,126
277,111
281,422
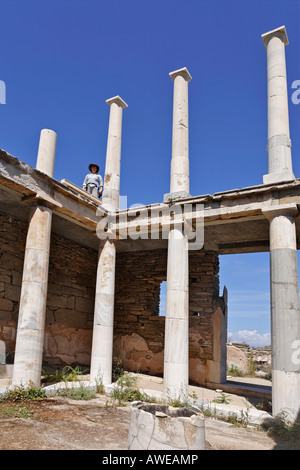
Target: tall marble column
x,y
176,348
32,311
279,143
102,345
180,179
285,310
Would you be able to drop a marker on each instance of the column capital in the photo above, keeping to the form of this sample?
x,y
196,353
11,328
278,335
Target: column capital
x,y
278,32
183,72
118,100
280,209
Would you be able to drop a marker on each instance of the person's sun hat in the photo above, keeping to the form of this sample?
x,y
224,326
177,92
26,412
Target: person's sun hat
x,y
93,164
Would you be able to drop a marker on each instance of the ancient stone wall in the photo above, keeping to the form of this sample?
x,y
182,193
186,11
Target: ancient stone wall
x,y
70,301
12,248
139,330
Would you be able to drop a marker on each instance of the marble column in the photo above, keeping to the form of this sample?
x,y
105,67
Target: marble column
x,y
279,143
176,347
102,344
180,179
285,310
32,310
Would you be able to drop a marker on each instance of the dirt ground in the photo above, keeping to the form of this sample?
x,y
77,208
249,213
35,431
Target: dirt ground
x,y
64,424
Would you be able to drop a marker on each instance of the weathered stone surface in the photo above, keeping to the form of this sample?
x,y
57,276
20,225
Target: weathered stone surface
x,y
12,292
236,357
72,273
6,305
66,345
139,330
160,427
279,144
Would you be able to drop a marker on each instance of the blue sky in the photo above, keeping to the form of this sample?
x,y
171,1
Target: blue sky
x,y
62,59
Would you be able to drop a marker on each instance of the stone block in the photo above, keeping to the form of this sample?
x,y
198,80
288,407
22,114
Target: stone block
x,y
4,278
16,278
170,197
59,301
70,317
84,305
13,261
160,427
6,305
12,292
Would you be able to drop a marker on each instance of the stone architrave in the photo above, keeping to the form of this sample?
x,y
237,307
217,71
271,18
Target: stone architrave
x,y
279,143
102,344
285,311
176,350
32,311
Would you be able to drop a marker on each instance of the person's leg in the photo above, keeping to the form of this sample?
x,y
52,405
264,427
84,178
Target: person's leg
x,y
95,191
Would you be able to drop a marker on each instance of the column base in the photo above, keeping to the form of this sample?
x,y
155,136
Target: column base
x,y
176,381
101,361
278,177
169,197
28,358
286,396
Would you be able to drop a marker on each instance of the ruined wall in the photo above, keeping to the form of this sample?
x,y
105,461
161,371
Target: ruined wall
x,y
139,331
249,359
12,247
70,301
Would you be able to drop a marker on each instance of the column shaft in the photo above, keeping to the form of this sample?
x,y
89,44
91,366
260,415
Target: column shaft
x,y
285,313
31,322
101,361
32,310
111,193
279,144
102,346
176,352
46,152
180,181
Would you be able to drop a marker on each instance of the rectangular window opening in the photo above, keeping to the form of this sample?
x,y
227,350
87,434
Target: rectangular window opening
x,y
162,299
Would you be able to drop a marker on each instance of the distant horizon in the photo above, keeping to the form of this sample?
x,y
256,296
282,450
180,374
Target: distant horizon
x,y
247,344
258,340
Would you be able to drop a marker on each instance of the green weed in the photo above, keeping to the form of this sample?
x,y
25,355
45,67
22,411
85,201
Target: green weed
x,y
232,369
126,391
22,393
67,374
18,411
223,398
77,393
